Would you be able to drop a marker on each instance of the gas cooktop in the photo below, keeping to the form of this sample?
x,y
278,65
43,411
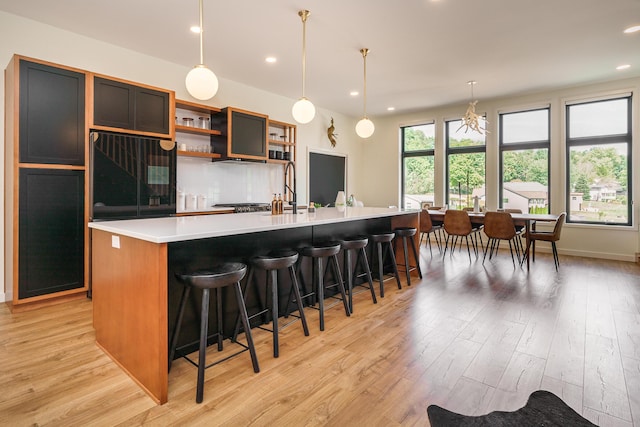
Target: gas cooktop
x,y
246,207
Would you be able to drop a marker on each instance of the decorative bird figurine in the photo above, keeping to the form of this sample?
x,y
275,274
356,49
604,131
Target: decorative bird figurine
x,y
331,133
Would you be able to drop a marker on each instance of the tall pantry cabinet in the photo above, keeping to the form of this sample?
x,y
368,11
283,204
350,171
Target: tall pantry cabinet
x,y
45,167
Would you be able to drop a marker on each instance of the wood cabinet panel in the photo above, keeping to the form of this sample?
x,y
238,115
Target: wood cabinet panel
x,y
122,105
52,114
51,231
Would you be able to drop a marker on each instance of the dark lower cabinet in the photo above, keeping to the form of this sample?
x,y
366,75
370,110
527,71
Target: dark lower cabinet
x,y
125,106
52,114
51,231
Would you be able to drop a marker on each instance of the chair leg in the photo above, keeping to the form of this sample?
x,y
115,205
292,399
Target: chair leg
x,y
486,250
296,292
349,276
220,335
380,250
406,260
392,255
176,333
415,255
247,328
319,281
274,311
336,271
202,352
556,260
364,263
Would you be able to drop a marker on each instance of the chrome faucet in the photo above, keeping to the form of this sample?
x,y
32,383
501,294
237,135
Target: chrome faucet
x,y
294,202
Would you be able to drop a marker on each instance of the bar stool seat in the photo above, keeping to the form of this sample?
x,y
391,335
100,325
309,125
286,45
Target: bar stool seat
x,y
216,277
318,252
358,243
271,264
383,247
407,233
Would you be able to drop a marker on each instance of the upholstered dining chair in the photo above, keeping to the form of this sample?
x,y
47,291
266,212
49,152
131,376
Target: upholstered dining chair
x,y
427,227
457,224
547,236
499,226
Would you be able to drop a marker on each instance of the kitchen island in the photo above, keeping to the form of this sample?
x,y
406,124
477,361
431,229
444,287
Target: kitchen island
x,y
133,264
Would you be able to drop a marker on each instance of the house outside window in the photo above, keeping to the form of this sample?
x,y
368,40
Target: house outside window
x,y
524,160
466,165
418,143
599,173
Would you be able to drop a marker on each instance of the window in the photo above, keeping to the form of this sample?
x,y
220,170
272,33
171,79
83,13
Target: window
x,y
599,162
418,144
465,165
524,160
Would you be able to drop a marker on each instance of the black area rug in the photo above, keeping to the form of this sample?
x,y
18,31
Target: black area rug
x,y
542,409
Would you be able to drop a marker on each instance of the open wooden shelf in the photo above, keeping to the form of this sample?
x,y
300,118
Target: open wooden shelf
x,y
201,155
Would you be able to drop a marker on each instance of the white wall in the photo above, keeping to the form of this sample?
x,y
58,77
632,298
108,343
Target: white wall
x,y
383,159
29,38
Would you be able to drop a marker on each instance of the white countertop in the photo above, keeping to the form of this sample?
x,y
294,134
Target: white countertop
x,y
177,229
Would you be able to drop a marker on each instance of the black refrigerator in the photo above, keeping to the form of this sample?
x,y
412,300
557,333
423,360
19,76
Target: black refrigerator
x,y
131,177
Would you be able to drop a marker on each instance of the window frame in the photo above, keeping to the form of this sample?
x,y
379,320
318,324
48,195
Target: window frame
x,y
461,150
600,140
517,146
414,153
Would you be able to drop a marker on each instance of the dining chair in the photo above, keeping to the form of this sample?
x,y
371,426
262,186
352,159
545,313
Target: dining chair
x,y
520,229
547,236
427,227
457,224
499,226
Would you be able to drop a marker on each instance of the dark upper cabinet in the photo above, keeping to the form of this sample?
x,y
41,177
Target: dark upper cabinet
x,y
51,231
52,115
243,134
125,106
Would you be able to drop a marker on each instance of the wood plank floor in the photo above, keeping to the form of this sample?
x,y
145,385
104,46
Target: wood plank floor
x,y
469,337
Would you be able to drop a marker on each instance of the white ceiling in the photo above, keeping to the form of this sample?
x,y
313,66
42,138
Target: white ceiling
x,y
422,52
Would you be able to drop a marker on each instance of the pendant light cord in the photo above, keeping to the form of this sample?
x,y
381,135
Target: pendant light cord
x,y
364,52
201,37
303,15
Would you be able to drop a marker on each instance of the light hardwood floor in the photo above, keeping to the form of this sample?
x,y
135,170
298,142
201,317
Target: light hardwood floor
x,y
469,337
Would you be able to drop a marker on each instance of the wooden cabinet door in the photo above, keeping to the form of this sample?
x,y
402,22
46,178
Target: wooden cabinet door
x,y
152,110
51,231
52,118
113,104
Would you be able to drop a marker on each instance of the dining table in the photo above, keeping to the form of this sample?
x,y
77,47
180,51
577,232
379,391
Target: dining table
x,y
528,220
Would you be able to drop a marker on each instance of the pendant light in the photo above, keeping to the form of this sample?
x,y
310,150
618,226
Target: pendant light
x,y
471,120
303,110
365,127
201,82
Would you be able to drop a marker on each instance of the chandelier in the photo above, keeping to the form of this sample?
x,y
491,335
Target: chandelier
x,y
471,120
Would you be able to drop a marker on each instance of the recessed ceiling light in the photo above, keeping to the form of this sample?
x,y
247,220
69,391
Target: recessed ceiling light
x,y
354,93
271,59
195,29
391,108
633,29
623,67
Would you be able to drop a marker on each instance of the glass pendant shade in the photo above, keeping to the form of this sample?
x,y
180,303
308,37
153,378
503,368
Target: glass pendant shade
x,y
201,83
303,111
365,128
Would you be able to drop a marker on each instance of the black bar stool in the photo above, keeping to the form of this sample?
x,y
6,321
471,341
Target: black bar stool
x,y
217,277
407,233
383,246
271,264
348,246
318,252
